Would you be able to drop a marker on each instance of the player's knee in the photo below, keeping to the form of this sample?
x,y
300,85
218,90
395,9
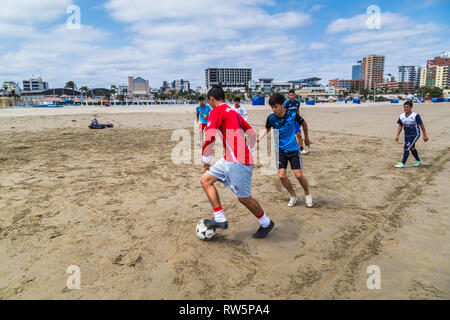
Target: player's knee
x,y
204,181
282,175
298,175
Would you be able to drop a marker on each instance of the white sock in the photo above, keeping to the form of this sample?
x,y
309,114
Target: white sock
x,y
308,198
264,221
219,215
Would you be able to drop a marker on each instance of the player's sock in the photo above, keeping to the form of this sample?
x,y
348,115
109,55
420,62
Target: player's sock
x,y
264,220
219,215
415,154
405,156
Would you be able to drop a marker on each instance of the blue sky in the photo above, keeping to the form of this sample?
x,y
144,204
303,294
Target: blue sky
x,y
169,40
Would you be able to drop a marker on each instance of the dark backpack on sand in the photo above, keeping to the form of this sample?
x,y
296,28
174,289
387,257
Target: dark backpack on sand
x,y
96,125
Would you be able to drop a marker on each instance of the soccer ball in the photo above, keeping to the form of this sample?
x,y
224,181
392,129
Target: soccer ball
x,y
203,232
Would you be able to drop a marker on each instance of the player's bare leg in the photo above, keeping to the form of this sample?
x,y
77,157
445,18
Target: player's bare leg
x,y
304,183
286,182
252,205
288,185
258,212
207,181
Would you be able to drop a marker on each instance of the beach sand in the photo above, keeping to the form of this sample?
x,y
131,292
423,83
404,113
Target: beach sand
x,y
113,203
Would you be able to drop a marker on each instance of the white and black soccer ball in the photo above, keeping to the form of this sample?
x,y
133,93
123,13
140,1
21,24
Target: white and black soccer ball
x,y
203,232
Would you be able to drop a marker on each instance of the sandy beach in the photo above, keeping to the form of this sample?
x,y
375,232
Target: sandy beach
x,y
113,203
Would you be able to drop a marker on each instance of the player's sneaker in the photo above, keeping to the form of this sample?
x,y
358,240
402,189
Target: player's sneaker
x,y
309,201
292,201
400,165
304,151
263,232
417,163
213,224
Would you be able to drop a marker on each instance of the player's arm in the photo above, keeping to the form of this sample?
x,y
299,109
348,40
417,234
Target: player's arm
x,y
211,129
304,125
244,114
266,130
196,113
250,132
425,136
422,127
399,129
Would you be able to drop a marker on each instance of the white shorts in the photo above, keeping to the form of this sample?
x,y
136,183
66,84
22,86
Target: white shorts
x,y
237,176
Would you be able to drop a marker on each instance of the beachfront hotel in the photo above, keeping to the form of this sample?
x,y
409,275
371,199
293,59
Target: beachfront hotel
x,y
228,78
34,84
357,71
138,87
436,74
181,85
372,71
349,85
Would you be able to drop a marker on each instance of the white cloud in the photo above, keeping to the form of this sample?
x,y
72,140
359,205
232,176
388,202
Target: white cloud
x,y
27,12
358,23
318,45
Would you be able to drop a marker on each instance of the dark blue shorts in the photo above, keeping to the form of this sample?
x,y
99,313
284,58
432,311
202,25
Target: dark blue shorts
x,y
410,141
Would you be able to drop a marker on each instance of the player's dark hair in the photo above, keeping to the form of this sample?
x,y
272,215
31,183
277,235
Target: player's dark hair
x,y
276,99
201,98
217,93
237,99
409,103
292,91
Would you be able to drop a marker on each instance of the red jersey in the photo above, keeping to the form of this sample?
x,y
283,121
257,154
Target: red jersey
x,y
231,127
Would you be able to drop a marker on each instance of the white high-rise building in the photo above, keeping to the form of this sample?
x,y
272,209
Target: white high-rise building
x,y
406,73
228,77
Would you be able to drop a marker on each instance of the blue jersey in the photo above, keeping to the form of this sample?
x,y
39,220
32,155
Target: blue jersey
x,y
292,105
203,113
410,123
285,136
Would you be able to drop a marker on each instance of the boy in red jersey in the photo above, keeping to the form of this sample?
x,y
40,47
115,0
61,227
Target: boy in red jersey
x,y
236,168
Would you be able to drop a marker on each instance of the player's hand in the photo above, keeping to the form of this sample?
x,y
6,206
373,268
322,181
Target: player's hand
x,y
425,138
308,142
206,166
396,138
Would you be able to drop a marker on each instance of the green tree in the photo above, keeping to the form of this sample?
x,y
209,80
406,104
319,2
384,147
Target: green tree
x,y
71,85
228,95
433,92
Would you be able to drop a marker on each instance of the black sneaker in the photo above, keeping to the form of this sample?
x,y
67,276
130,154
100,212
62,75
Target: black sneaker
x,y
263,232
213,224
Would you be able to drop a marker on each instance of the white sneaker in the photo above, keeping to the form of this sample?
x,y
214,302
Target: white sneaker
x,y
304,151
309,201
400,165
292,201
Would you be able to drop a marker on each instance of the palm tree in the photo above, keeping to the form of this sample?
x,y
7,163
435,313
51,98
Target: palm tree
x,y
113,91
84,89
71,85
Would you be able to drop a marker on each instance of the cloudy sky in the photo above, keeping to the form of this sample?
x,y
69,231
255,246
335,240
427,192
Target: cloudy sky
x,y
173,39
